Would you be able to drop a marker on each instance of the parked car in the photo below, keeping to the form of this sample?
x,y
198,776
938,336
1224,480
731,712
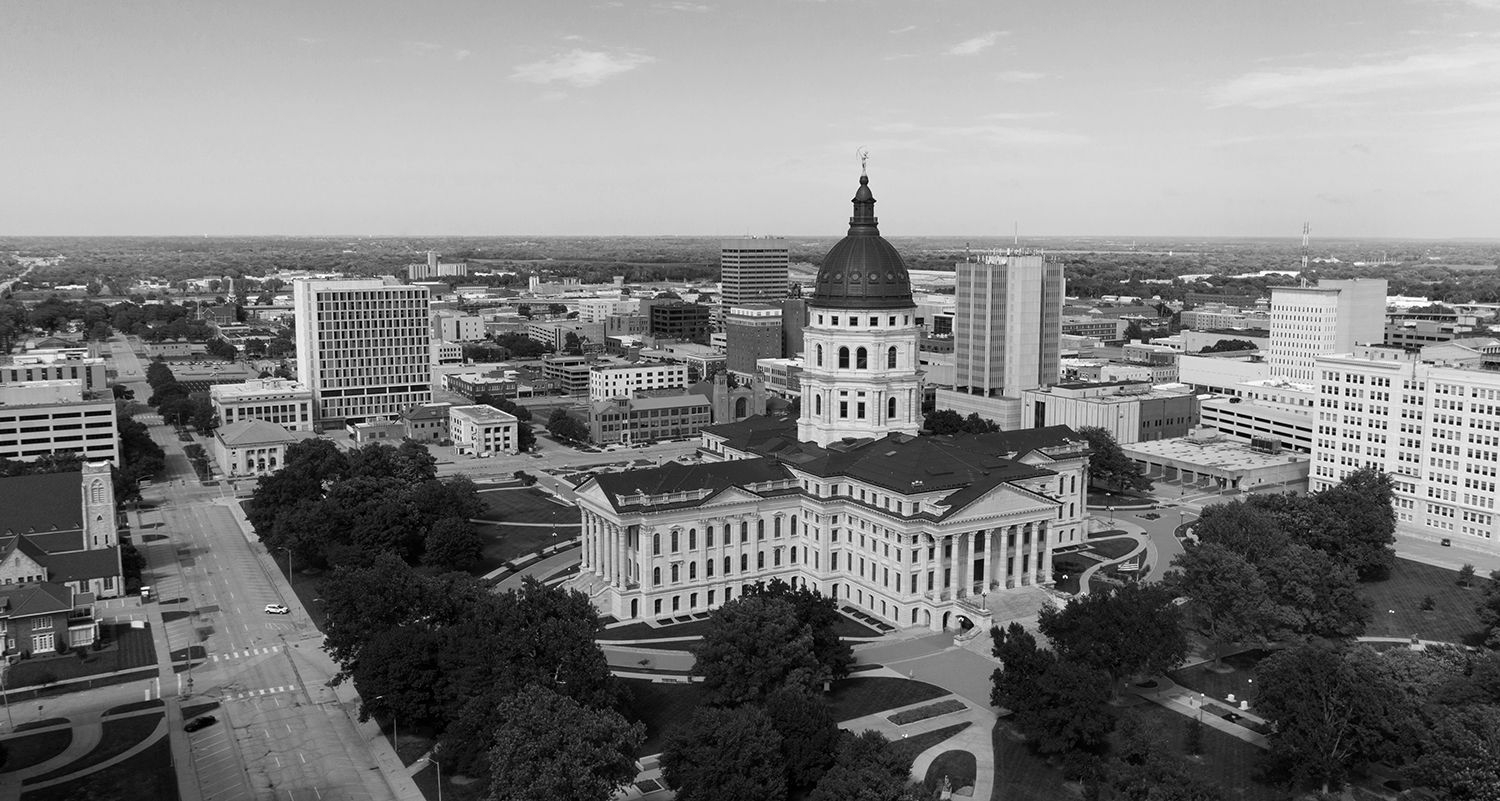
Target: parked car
x,y
277,609
200,723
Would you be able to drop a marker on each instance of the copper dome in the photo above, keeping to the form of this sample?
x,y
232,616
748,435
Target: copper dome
x,y
862,271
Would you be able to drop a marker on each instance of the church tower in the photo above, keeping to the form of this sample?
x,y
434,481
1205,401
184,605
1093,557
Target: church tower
x,y
100,529
859,376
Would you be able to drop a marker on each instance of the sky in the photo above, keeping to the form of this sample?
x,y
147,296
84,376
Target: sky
x,y
1365,118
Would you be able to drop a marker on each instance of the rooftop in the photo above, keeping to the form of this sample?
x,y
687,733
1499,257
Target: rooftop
x,y
480,413
253,432
1224,454
46,502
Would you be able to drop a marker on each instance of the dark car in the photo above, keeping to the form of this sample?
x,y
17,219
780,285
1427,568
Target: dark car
x,y
200,723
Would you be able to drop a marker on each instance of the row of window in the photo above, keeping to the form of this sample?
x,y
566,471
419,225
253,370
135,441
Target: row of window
x,y
861,357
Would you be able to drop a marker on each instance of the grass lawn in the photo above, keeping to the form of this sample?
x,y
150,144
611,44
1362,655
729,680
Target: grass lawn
x,y
146,777
35,749
426,780
927,711
526,506
1227,761
865,695
662,706
1397,604
1204,679
910,747
1112,549
120,735
959,766
504,543
1021,775
125,648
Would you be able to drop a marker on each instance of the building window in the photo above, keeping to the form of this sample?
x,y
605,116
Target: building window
x,y
843,409
744,562
862,359
760,559
817,404
676,576
656,576
728,566
656,545
819,351
675,542
890,357
890,409
744,531
844,358
692,539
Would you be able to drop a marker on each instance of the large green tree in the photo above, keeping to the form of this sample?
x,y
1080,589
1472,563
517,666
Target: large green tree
x,y
867,768
1229,602
1109,467
724,754
753,645
1121,631
809,734
549,747
820,614
1062,707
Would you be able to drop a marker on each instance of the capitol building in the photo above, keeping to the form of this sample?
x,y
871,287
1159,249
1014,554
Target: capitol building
x,y
936,532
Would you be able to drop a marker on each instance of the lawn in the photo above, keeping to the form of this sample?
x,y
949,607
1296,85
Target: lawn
x,y
148,776
959,767
1396,604
927,711
527,506
1021,775
125,648
120,735
426,780
1204,679
661,706
35,749
1112,549
504,543
908,748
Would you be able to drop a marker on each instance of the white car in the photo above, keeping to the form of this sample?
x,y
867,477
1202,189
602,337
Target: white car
x,y
277,609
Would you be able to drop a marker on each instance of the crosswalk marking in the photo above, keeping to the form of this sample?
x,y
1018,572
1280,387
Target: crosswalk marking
x,y
247,653
247,694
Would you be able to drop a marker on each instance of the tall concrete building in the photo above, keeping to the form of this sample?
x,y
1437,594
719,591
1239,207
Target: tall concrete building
x,y
753,270
363,348
1332,317
1007,333
1429,419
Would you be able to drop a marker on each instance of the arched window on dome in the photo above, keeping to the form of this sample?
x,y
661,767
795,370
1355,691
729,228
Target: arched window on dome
x,y
890,409
844,358
862,359
890,357
819,352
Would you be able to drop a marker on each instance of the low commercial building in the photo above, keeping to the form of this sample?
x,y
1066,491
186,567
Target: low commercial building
x,y
752,333
702,358
623,381
645,419
288,404
482,430
454,326
426,422
1196,341
782,377
1207,457
375,431
40,418
553,334
475,385
688,322
569,374
1107,329
252,447
1131,411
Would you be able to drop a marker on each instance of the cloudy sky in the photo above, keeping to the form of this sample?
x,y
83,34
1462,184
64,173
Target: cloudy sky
x,y
1153,117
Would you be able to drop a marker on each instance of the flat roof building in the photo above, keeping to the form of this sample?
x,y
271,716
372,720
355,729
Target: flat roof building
x,y
288,404
364,348
753,270
482,430
623,381
751,333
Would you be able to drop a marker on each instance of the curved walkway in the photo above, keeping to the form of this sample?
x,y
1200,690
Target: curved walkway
x,y
86,737
1143,545
975,739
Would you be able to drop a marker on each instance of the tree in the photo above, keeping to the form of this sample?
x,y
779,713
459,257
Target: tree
x,y
571,344
1330,711
1489,610
413,463
974,424
753,645
452,544
809,734
1229,346
866,768
122,393
566,427
725,755
1109,467
1063,707
1230,602
820,614
1123,631
944,421
1134,332
1466,576
203,417
1459,756
548,747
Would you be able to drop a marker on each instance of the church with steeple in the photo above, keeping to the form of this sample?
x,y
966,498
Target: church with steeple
x,y
939,532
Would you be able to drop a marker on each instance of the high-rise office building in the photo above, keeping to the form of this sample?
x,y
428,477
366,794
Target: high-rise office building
x,y
753,270
1007,333
363,348
1332,317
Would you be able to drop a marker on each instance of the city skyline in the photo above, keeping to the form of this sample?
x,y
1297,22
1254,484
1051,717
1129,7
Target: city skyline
x,y
614,118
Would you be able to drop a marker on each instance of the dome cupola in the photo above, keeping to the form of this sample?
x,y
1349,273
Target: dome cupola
x,y
862,271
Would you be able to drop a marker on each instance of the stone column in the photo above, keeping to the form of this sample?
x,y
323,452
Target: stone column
x,y
1031,568
964,548
1011,554
993,564
1046,535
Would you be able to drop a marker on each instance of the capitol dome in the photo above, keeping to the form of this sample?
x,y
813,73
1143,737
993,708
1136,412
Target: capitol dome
x,y
862,271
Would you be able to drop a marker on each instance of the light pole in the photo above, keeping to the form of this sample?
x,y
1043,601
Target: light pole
x,y
439,776
395,733
288,564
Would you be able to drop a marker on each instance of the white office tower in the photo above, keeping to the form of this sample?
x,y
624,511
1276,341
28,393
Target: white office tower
x,y
1432,421
859,380
363,348
1332,317
753,270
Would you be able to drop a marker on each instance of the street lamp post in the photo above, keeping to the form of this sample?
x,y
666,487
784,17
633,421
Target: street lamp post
x,y
395,733
439,776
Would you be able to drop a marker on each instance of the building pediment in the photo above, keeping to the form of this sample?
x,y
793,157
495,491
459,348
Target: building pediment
x,y
1004,503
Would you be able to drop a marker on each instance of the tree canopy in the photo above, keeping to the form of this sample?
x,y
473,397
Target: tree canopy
x,y
549,747
725,754
1109,467
1121,631
947,421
